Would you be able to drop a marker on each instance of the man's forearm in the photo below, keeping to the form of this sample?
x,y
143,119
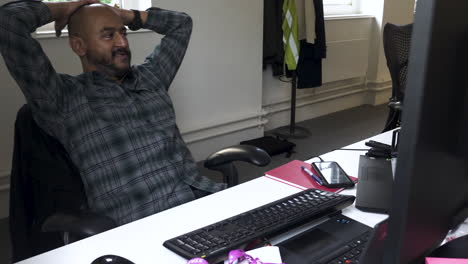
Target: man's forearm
x,y
168,22
23,55
23,17
58,10
167,57
128,16
61,10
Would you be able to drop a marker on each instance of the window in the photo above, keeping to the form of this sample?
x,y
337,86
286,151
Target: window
x,y
109,2
340,7
127,4
337,2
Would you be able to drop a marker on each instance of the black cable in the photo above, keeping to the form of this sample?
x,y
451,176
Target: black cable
x,y
320,158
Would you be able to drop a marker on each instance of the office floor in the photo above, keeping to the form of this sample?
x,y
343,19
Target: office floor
x,y
328,132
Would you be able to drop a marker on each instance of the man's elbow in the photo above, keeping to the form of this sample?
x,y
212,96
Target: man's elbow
x,y
188,22
7,18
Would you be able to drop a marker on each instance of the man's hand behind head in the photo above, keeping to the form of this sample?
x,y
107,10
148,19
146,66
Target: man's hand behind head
x,y
61,12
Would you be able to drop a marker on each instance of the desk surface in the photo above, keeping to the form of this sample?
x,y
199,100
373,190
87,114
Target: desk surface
x,y
141,241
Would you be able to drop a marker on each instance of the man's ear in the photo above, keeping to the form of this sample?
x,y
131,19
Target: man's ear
x,y
78,45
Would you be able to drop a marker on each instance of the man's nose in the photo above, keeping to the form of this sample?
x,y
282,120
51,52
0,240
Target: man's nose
x,y
121,40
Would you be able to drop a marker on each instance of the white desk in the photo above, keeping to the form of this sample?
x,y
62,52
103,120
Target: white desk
x,y
141,241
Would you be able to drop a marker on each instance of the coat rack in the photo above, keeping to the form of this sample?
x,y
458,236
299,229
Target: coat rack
x,y
292,131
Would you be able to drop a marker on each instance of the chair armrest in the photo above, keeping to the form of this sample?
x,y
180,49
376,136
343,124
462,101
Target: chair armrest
x,y
222,161
246,153
81,224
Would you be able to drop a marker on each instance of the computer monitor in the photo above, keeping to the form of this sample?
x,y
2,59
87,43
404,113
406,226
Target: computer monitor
x,y
431,184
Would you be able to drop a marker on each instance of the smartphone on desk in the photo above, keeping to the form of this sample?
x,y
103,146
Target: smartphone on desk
x,y
332,175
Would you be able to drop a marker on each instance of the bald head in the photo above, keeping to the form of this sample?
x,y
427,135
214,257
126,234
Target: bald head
x,y
99,37
88,17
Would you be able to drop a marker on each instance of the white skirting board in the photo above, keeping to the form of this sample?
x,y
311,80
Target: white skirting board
x,y
330,98
311,103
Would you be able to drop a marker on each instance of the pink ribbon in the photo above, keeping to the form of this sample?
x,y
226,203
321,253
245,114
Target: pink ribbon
x,y
235,257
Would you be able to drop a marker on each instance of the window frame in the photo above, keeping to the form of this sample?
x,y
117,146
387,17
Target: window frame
x,y
337,2
341,7
48,29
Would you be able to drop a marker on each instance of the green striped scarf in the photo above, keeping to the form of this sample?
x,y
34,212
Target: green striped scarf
x,y
290,34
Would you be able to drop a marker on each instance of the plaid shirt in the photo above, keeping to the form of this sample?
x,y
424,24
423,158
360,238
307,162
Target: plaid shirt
x,y
122,137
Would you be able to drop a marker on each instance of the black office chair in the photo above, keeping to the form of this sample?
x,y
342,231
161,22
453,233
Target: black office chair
x,y
397,41
48,206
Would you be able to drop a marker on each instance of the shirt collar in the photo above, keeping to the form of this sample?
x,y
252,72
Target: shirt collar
x,y
99,77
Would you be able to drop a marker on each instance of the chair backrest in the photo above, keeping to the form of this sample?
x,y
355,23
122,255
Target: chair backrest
x,y
43,181
397,41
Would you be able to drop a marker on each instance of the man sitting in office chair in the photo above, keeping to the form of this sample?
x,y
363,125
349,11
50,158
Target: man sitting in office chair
x,y
116,121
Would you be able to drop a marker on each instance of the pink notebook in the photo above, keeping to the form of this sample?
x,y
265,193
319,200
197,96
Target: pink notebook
x,y
292,174
446,261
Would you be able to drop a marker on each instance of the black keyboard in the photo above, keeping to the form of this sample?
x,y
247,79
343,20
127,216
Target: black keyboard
x,y
349,254
214,242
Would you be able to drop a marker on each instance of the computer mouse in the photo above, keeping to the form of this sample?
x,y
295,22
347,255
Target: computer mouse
x,y
111,259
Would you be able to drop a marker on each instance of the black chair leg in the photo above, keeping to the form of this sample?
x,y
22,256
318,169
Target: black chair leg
x,y
393,120
229,172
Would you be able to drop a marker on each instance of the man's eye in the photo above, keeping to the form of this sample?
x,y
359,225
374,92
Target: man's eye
x,y
109,35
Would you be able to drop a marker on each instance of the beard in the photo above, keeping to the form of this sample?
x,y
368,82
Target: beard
x,y
116,64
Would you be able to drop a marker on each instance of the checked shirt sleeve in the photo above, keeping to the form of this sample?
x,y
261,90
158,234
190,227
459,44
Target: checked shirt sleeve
x,y
23,55
164,62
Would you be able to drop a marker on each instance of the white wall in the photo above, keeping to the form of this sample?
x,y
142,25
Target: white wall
x,y
394,11
220,82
